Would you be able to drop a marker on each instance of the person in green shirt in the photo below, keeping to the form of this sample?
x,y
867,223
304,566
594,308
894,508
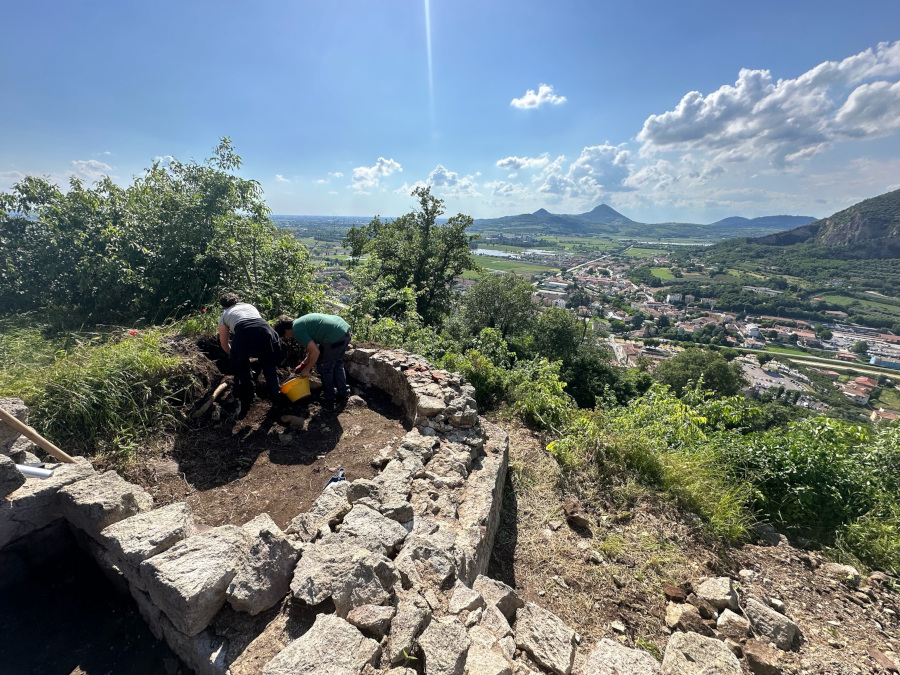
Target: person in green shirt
x,y
325,337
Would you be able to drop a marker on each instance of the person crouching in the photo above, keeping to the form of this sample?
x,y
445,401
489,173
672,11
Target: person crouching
x,y
325,337
251,336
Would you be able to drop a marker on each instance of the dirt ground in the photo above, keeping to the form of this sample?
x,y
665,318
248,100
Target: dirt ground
x,y
606,580
230,471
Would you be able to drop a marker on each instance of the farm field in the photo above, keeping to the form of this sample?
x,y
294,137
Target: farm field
x,y
662,273
636,252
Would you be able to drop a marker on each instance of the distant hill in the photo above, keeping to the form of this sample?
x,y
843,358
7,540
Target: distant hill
x,y
780,222
869,229
606,221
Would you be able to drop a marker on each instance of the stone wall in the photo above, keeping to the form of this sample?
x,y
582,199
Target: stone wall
x,y
393,566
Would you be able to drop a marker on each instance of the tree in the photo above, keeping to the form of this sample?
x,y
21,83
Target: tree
x,y
719,376
860,347
173,240
499,301
557,335
414,252
764,358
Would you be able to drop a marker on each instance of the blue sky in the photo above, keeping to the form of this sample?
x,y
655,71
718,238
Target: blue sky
x,y
688,111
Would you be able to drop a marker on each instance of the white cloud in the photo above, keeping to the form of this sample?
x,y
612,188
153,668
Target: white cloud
x,y
337,174
369,177
514,164
163,160
533,99
785,121
281,179
445,184
90,169
599,169
10,178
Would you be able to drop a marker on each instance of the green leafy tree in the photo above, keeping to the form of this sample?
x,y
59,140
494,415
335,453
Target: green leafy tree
x,y
860,347
502,302
413,251
694,365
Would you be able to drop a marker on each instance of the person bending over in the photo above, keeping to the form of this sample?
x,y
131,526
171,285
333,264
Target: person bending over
x,y
251,337
325,337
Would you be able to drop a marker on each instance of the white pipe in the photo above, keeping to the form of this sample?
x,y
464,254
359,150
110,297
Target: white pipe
x,y
34,471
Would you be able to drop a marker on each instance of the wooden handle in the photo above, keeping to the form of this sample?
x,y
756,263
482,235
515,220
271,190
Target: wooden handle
x,y
34,436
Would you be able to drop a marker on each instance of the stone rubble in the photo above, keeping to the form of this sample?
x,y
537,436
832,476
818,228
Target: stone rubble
x,y
401,556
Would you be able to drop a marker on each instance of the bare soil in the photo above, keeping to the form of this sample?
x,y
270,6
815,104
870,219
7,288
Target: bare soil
x,y
230,471
606,580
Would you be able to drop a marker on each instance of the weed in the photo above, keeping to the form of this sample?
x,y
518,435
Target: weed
x,y
650,647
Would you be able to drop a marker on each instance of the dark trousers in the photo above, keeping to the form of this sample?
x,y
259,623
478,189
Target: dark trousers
x,y
331,368
254,338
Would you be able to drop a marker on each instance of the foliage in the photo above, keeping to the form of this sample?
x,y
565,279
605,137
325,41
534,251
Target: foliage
x,y
97,393
170,241
412,252
696,365
499,301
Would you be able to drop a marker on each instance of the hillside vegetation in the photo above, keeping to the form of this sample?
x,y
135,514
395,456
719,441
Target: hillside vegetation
x,y
166,245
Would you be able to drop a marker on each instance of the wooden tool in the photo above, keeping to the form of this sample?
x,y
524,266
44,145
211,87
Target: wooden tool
x,y
34,437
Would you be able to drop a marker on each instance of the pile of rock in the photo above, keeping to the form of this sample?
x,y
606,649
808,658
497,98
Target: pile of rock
x,y
712,623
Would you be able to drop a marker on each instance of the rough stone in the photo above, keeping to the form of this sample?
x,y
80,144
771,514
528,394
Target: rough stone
x,y
350,576
719,592
405,628
574,512
498,594
493,620
486,655
34,505
733,626
96,503
429,406
264,578
11,479
673,614
464,598
761,658
327,511
707,611
147,534
693,654
189,581
770,625
546,638
17,408
690,621
674,593
366,523
362,488
611,658
373,620
424,559
846,573
398,509
331,646
445,645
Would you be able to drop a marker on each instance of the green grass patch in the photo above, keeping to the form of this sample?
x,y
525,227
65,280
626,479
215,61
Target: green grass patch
x,y
663,273
635,252
514,266
96,393
889,398
871,305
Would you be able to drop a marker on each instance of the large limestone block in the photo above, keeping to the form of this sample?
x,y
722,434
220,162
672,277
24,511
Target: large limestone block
x,y
611,658
264,578
549,641
366,523
733,626
426,559
500,595
189,581
770,625
373,620
11,479
719,592
34,505
693,654
464,598
17,408
147,534
445,644
332,646
96,503
327,511
351,576
487,655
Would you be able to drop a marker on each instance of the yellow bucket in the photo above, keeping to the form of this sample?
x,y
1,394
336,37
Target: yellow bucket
x,y
296,388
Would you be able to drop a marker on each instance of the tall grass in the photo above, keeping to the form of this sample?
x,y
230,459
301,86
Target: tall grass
x,y
95,393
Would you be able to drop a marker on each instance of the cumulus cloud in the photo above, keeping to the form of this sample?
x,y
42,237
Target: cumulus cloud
x,y
532,99
369,177
445,184
785,121
281,179
163,160
599,169
90,169
514,164
337,174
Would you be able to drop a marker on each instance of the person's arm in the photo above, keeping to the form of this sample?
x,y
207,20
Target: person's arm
x,y
223,338
312,355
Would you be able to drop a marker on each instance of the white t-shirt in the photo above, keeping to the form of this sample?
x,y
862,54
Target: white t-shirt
x,y
237,313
